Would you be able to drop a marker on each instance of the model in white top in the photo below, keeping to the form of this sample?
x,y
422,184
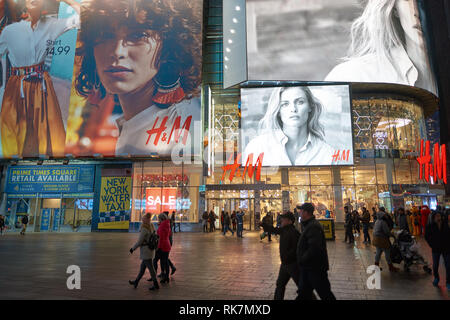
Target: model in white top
x,y
290,133
387,46
26,42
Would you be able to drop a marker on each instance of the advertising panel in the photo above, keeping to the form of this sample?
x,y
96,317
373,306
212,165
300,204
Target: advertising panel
x,y
160,199
136,80
50,179
37,48
297,125
347,40
115,203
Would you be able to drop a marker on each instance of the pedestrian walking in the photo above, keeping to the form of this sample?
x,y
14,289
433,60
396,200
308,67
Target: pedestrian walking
x,y
222,220
356,222
233,220
288,253
381,234
146,253
312,257
164,246
348,225
205,218
365,220
267,221
227,224
24,224
212,221
402,220
424,214
409,221
296,215
437,235
374,214
2,224
240,223
416,223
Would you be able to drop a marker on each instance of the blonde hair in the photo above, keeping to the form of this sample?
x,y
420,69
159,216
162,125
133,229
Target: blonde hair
x,y
272,121
376,31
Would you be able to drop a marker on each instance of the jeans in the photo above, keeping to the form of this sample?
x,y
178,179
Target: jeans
x,y
311,279
436,260
240,229
387,255
349,234
205,225
226,228
366,232
212,227
149,265
165,263
287,271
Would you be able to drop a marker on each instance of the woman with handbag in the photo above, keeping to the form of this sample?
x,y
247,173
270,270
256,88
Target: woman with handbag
x,y
381,235
146,254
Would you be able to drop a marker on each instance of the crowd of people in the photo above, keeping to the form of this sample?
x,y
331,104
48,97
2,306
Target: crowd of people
x,y
433,225
232,223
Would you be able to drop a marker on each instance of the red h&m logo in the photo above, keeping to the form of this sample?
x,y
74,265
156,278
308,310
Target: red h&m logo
x,y
234,168
436,168
176,131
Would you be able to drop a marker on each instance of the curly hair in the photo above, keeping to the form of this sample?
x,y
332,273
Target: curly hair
x,y
177,22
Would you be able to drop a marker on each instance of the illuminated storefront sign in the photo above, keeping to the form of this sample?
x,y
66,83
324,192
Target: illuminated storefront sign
x,y
235,170
159,200
432,166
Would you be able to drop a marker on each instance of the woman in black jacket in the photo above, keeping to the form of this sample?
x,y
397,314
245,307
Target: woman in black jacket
x,y
437,235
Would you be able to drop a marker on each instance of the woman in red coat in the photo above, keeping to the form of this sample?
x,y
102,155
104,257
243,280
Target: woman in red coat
x,y
425,212
164,246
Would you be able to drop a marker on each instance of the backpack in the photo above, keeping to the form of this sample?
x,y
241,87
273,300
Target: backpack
x,y
153,241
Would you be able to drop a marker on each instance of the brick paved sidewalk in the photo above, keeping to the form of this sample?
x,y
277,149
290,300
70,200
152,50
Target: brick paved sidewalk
x,y
209,266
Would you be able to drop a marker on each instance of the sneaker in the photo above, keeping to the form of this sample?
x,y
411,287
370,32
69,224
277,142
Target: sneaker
x,y
436,282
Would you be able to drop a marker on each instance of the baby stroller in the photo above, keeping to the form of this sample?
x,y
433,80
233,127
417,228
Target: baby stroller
x,y
406,249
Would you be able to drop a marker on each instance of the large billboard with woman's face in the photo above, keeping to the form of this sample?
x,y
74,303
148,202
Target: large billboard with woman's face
x,y
136,81
346,41
297,125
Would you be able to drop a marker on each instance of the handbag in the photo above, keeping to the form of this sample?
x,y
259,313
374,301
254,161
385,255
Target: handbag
x,y
382,243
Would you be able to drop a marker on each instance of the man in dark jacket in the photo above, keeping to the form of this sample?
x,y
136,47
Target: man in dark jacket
x,y
437,235
268,221
402,221
365,219
312,257
212,221
288,247
348,225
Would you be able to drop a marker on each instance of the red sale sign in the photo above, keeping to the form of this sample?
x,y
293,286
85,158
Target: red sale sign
x,y
158,200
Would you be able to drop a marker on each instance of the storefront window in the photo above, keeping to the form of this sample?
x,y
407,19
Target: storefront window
x,y
321,176
163,186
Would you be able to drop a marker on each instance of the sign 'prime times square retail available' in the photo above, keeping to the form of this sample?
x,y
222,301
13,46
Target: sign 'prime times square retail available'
x,y
54,179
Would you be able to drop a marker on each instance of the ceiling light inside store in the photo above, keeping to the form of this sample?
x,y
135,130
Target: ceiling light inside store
x,y
232,31
235,20
237,8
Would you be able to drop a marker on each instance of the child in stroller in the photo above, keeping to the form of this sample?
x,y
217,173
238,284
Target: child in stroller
x,y
406,249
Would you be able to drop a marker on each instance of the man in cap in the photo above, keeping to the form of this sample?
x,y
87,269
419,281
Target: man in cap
x,y
289,236
312,257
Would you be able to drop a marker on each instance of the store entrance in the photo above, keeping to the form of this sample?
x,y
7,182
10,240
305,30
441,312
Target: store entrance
x,y
230,205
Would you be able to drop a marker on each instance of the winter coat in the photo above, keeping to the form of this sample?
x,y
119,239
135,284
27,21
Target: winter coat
x,y
365,218
403,222
164,233
438,240
144,236
312,247
425,212
348,220
288,242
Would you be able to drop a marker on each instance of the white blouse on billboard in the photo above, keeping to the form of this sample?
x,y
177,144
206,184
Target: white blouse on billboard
x,y
315,152
27,47
370,68
134,138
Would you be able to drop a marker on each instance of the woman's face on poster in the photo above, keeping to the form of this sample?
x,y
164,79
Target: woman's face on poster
x,y
294,107
126,59
34,4
409,19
